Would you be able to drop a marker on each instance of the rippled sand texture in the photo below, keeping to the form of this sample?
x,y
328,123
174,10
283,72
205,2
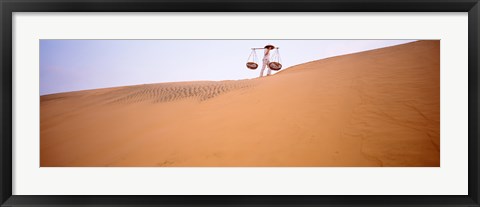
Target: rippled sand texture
x,y
375,108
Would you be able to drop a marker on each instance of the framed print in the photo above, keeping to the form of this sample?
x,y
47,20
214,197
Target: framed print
x,y
264,103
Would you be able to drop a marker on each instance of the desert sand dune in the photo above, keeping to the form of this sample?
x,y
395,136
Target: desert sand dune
x,y
374,108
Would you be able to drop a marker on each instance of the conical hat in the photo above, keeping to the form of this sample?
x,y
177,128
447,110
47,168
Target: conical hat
x,y
270,46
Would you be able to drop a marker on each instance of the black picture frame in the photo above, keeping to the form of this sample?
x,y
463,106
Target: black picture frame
x,y
7,7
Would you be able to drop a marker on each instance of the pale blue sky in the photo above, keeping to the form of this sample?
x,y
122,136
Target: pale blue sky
x,y
72,65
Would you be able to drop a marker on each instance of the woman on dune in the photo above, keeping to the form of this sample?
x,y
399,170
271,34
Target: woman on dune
x,y
266,60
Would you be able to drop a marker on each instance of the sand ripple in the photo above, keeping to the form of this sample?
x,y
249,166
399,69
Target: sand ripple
x,y
158,93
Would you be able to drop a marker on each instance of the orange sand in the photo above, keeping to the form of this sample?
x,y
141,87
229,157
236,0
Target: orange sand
x,y
374,108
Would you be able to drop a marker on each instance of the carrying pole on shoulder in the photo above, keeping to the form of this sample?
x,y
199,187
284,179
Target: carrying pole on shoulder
x,y
263,48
